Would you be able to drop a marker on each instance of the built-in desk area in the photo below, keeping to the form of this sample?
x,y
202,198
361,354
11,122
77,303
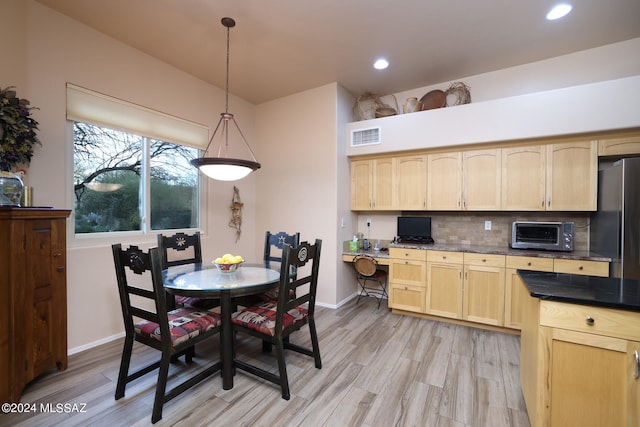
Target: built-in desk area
x,y
474,285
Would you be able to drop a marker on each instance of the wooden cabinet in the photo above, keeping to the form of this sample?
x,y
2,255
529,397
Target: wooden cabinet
x,y
554,177
579,364
361,185
383,184
411,182
524,178
572,176
444,279
444,182
481,180
514,292
373,184
620,145
407,279
483,291
574,266
389,183
468,180
33,298
558,176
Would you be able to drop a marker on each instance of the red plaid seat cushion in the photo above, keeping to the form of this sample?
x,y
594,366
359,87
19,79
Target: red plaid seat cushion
x,y
184,323
262,317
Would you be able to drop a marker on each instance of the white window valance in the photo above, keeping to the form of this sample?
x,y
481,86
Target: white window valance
x,y
85,105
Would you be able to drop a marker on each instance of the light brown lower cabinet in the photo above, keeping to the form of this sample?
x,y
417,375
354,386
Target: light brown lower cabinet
x,y
407,279
514,292
580,365
483,290
444,290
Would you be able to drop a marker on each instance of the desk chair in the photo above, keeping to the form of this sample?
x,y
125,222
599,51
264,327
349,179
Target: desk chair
x,y
181,249
174,333
275,321
369,274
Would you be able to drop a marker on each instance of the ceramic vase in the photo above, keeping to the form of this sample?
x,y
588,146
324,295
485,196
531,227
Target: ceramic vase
x,y
411,105
11,187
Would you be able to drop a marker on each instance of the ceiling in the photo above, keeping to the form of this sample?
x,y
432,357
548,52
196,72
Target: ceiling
x,y
281,47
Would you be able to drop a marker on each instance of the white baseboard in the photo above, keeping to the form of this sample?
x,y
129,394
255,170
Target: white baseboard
x,y
95,344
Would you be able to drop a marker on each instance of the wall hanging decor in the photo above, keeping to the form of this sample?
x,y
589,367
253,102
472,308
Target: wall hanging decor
x,y
236,212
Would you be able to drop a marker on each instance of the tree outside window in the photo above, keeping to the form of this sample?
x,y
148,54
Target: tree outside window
x,y
120,179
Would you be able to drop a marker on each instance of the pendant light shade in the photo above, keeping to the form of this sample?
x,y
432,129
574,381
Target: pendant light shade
x,y
225,168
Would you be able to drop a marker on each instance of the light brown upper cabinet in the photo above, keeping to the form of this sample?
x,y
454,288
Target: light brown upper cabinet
x,y
481,172
411,182
554,177
620,145
523,178
561,176
572,176
373,184
444,181
361,184
468,180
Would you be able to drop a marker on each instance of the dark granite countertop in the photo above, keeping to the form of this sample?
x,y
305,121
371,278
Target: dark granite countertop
x,y
497,250
588,290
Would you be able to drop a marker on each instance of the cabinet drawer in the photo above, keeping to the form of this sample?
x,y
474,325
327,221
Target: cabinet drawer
x,y
406,297
485,260
530,263
414,254
605,321
445,256
589,268
408,272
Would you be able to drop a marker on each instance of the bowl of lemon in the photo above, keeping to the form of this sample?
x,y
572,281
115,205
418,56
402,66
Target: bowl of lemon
x,y
228,263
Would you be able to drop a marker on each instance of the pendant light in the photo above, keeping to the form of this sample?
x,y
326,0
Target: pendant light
x,y
225,168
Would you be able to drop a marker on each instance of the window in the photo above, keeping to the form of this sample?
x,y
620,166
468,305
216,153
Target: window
x,y
129,182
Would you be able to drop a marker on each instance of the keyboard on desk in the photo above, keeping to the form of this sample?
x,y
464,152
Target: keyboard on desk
x,y
415,240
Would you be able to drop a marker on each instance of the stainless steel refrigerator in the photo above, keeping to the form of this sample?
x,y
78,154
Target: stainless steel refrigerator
x,y
615,227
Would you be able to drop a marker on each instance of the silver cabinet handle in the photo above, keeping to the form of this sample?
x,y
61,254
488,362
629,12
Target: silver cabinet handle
x,y
637,374
590,321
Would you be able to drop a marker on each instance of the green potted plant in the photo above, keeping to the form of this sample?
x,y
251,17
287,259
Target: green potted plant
x,y
18,135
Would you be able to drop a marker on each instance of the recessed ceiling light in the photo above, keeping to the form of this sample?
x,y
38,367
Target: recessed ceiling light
x,y
558,11
380,64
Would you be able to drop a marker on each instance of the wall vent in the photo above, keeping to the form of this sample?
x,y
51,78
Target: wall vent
x,y
367,136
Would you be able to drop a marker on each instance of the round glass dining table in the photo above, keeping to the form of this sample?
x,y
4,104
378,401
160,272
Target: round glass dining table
x,y
202,280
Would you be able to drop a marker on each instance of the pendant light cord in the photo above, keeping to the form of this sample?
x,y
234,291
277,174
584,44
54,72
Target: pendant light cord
x,y
226,106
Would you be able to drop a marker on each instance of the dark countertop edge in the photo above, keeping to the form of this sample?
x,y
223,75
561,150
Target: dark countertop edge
x,y
496,250
560,287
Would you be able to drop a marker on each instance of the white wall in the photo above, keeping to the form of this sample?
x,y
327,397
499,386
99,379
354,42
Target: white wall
x,y
14,53
298,149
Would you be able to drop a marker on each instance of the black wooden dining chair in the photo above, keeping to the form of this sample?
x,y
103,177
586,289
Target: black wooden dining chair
x,y
182,249
174,333
275,321
274,244
272,257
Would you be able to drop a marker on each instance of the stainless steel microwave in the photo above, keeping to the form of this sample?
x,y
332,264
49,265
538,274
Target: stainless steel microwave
x,y
553,236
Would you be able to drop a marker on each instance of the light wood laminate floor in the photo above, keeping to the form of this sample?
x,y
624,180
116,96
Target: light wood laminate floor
x,y
379,369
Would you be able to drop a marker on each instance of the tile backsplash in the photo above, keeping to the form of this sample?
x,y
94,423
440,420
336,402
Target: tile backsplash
x,y
469,227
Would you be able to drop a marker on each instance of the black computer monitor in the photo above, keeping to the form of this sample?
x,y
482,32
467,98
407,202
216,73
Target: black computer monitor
x,y
414,228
